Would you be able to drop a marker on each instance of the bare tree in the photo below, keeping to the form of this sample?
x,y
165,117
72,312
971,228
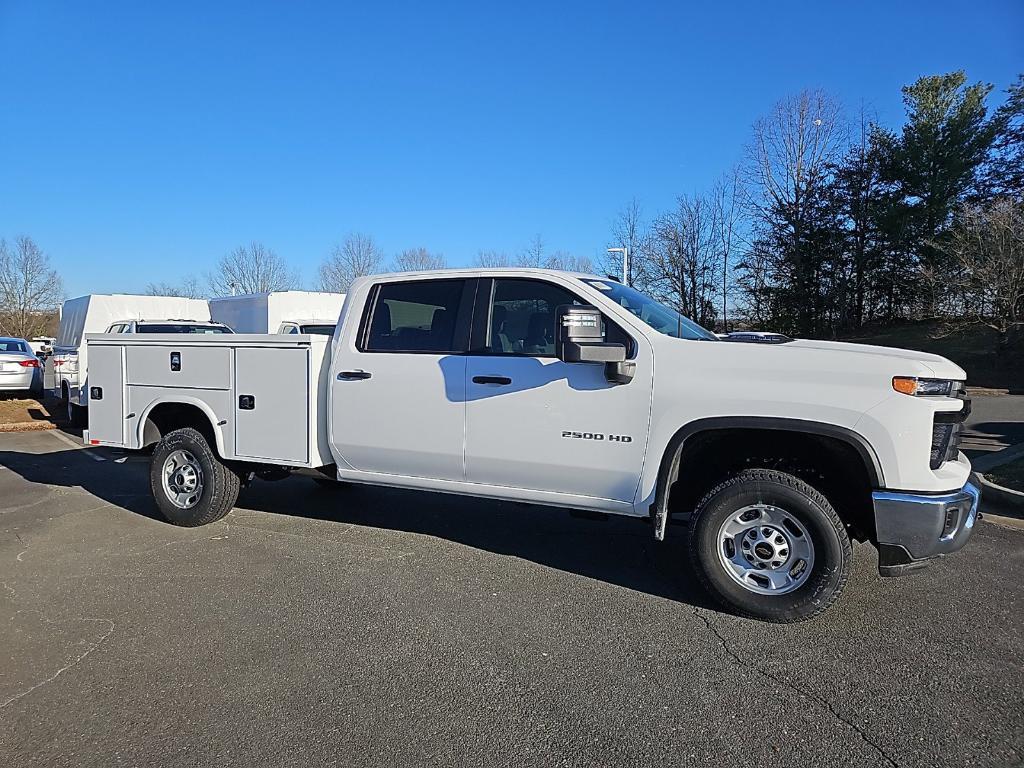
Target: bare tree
x,y
793,147
29,289
187,288
252,268
628,231
791,158
727,199
533,255
356,257
682,266
492,259
417,260
987,245
569,262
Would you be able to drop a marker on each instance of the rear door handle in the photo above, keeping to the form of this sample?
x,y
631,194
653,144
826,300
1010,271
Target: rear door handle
x,y
500,380
353,375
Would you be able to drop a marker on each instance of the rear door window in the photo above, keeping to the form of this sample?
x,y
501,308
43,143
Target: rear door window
x,y
416,316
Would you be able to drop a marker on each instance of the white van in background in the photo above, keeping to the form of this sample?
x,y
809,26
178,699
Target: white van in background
x,y
42,345
65,373
290,312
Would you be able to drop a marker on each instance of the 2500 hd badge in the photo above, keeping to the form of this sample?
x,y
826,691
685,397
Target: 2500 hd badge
x,y
596,436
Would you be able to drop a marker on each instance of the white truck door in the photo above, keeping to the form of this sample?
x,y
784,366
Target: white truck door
x,y
536,423
398,383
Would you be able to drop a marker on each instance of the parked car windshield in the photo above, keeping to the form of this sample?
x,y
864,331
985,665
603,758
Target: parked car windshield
x,y
661,318
319,330
179,328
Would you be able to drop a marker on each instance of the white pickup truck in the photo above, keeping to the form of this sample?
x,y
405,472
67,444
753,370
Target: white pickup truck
x,y
572,391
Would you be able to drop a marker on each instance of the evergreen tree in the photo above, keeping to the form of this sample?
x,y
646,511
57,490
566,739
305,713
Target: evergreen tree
x,y
1004,175
934,164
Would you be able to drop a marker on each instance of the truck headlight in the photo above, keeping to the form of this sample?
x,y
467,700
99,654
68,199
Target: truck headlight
x,y
911,385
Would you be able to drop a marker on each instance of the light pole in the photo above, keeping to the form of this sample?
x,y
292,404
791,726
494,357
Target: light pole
x,y
624,250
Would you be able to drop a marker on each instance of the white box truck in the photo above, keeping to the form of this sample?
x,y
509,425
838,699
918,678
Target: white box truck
x,y
293,312
573,391
65,371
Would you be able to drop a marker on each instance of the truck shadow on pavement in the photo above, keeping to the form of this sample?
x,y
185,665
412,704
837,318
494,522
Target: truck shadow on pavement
x,y
985,437
616,550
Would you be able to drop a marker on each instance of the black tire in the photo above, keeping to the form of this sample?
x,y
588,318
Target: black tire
x,y
832,553
219,484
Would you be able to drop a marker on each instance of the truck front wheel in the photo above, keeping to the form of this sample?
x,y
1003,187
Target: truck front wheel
x,y
190,484
769,546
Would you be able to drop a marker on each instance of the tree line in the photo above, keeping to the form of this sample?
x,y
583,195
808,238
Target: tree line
x,y
31,290
829,224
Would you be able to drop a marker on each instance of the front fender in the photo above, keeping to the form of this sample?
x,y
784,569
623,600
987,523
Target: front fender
x,y
668,467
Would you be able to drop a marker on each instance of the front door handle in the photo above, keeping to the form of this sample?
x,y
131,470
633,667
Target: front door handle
x,y
500,380
353,375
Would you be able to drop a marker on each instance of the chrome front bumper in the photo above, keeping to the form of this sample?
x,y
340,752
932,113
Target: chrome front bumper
x,y
912,528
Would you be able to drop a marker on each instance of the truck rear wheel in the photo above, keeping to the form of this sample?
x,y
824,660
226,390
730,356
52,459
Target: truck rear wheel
x,y
190,484
769,546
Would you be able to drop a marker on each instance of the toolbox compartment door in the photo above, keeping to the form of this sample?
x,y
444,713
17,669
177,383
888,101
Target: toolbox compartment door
x,y
106,396
179,365
271,404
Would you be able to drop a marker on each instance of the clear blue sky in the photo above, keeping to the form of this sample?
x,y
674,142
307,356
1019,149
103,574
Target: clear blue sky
x,y
140,141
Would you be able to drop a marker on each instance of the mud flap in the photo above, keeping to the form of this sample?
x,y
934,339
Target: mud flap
x,y
660,521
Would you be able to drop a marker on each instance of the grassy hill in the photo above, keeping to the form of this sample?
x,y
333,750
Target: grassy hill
x,y
973,350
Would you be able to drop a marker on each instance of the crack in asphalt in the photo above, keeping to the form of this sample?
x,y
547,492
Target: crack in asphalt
x,y
73,663
738,660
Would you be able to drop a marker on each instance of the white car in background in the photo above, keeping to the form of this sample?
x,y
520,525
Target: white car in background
x,y
42,345
756,337
19,366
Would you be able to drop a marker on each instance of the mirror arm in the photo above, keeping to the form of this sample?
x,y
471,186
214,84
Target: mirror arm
x,y
621,372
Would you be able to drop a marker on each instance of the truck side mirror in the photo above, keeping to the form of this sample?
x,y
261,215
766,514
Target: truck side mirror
x,y
581,340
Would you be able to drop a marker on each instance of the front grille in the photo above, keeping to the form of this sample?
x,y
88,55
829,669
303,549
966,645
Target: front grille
x,y
946,432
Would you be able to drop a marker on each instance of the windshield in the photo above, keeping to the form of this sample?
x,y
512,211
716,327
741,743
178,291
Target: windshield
x,y
661,318
319,330
178,328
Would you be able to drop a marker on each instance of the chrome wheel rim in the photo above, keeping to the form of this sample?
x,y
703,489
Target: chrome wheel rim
x,y
765,549
182,479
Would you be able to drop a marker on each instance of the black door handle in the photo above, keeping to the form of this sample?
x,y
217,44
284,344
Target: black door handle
x,y
353,375
502,380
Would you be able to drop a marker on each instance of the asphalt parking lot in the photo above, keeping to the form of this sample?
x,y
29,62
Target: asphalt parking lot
x,y
367,627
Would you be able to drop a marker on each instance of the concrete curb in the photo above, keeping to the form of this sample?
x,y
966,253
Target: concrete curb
x,y
1002,501
28,426
986,391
